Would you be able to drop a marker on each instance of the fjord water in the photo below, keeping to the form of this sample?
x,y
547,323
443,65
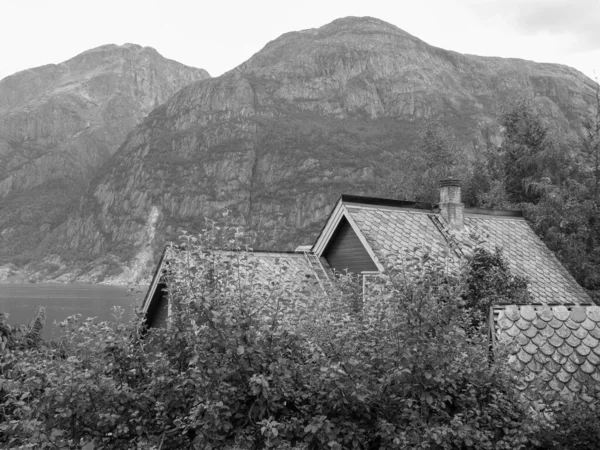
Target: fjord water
x,y
21,301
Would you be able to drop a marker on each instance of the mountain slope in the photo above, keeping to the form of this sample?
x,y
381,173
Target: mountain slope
x,y
315,113
59,123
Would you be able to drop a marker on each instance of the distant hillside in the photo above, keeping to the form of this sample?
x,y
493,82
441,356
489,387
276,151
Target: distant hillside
x,y
276,140
60,123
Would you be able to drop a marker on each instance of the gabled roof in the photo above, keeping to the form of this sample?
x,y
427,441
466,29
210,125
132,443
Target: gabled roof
x,y
395,232
297,271
390,229
554,349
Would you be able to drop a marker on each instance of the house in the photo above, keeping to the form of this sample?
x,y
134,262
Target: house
x,y
554,341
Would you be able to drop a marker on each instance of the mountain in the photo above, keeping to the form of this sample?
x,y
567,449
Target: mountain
x,y
276,140
60,123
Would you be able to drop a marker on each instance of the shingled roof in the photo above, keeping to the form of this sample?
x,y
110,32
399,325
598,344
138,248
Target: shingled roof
x,y
528,256
554,350
393,231
296,272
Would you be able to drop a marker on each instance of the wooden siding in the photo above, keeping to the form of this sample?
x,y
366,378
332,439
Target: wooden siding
x,y
158,313
345,251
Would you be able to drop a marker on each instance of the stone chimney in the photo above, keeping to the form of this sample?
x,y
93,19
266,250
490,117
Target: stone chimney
x,y
451,207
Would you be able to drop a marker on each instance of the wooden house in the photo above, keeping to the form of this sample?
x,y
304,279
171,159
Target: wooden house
x,y
555,340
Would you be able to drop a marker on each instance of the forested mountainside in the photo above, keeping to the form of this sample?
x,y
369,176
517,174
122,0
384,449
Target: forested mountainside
x,y
59,123
315,113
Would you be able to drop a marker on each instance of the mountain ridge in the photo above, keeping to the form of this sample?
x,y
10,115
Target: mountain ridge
x,y
59,123
277,139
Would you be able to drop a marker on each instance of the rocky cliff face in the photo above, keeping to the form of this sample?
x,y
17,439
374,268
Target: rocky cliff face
x,y
312,115
60,123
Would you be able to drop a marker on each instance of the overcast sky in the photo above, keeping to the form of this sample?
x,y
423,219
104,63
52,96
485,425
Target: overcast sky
x,y
217,35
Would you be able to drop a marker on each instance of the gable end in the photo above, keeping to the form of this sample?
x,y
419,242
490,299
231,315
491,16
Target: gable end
x,y
345,251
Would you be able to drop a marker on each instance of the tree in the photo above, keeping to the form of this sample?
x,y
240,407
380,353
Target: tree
x,y
590,144
438,155
530,154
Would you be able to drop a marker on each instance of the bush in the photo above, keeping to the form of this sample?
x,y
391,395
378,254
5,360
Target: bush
x,y
489,281
570,426
248,364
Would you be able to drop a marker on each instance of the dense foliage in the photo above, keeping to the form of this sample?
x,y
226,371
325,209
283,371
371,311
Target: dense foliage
x,y
252,364
554,178
489,282
552,175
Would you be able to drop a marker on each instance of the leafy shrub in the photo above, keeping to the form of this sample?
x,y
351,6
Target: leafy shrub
x,y
489,281
569,426
249,364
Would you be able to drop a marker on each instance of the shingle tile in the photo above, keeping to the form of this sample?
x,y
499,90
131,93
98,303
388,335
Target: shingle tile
x,y
563,332
545,313
555,340
563,376
539,340
572,324
534,365
582,376
547,332
590,341
552,366
539,323
547,349
588,324
565,349
583,349
523,323
546,375
573,342
580,333
578,314
574,385
593,314
595,332
561,313
527,314
555,323
570,366
531,332
555,384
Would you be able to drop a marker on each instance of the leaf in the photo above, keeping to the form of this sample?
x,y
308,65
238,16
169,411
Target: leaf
x,y
89,446
240,350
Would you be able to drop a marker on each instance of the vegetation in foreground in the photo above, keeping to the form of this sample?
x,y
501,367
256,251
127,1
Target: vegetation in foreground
x,y
246,365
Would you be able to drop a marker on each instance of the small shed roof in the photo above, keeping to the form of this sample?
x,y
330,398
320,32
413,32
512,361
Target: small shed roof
x,y
553,349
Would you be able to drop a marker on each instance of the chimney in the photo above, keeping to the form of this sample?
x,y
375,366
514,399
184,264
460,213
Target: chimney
x,y
450,206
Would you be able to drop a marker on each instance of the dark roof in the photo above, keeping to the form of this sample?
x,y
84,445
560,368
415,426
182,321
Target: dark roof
x,y
379,201
555,349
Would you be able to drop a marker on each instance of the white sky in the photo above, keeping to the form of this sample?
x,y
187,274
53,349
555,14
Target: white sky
x,y
217,35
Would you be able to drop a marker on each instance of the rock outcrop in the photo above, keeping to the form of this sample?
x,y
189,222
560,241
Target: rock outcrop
x,y
276,140
60,123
